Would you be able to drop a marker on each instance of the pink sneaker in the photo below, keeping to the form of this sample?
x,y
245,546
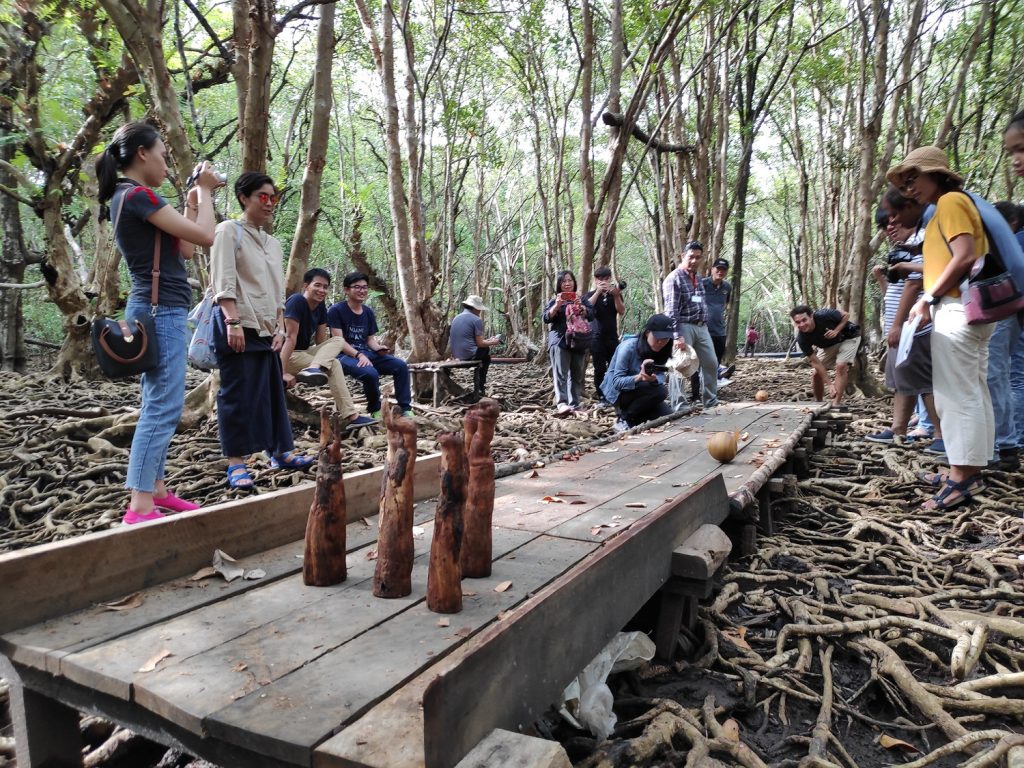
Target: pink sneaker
x,y
172,503
131,517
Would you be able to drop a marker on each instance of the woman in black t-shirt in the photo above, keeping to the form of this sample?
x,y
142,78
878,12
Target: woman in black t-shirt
x,y
129,168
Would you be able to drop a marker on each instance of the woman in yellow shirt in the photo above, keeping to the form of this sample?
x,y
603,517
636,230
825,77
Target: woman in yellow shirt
x,y
953,239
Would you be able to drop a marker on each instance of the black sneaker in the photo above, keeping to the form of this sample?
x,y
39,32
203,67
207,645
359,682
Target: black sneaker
x,y
1009,459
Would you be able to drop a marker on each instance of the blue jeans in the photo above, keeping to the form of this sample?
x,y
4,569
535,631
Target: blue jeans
x,y
163,397
1017,387
1000,347
369,377
923,420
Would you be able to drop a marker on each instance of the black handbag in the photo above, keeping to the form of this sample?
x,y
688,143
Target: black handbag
x,y
129,347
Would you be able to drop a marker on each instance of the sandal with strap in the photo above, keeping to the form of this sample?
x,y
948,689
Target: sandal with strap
x,y
290,460
239,477
935,479
941,501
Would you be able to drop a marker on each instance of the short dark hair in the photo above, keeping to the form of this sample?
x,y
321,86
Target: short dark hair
x,y
249,182
881,217
602,272
1010,212
315,272
693,245
561,276
353,277
895,200
800,309
1017,121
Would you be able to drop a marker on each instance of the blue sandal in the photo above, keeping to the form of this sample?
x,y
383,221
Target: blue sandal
x,y
941,501
239,477
290,460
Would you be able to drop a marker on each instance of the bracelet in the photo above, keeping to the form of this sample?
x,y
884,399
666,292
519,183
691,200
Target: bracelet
x,y
232,321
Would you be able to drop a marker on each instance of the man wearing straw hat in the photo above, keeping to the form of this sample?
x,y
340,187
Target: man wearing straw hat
x,y
468,342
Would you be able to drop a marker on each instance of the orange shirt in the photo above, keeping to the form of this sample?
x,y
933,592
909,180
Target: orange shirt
x,y
955,214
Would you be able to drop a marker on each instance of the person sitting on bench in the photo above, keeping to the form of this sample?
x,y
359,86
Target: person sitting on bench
x,y
363,357
468,342
631,384
308,354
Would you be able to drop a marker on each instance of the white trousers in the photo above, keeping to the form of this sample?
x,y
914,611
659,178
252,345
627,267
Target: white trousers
x,y
960,386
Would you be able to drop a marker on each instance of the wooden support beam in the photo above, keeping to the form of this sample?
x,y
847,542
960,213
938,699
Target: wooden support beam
x,y
45,731
505,749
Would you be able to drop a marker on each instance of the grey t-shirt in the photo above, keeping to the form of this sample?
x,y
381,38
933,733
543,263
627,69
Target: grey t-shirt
x,y
715,299
465,328
134,237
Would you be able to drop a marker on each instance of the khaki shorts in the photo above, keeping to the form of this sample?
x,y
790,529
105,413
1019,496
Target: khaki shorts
x,y
843,352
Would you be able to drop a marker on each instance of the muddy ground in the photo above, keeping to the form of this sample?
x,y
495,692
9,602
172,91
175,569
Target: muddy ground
x,y
865,632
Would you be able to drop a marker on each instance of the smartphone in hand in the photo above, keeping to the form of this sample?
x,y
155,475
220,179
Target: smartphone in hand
x,y
568,296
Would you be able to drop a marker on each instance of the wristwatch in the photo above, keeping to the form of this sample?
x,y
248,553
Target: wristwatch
x,y
933,300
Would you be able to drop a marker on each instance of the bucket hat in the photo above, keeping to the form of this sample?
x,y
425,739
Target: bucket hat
x,y
923,160
474,301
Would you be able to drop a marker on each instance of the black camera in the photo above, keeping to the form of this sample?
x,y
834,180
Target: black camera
x,y
892,259
652,368
622,285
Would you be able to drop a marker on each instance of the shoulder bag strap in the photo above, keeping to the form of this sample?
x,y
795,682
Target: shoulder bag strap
x,y
154,294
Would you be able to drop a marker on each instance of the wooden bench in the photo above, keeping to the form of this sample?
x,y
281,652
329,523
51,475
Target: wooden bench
x,y
435,368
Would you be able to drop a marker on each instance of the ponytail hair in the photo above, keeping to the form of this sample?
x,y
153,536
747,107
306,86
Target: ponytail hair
x,y
119,154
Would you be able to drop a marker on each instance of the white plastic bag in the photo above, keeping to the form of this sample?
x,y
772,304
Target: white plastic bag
x,y
200,350
591,695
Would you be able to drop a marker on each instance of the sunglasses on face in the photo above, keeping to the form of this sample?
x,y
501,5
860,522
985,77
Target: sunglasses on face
x,y
909,181
264,198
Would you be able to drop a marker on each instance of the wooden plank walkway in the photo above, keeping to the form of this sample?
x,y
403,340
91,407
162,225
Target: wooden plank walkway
x,y
271,672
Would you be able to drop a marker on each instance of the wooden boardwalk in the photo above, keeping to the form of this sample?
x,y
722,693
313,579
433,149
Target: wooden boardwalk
x,y
271,672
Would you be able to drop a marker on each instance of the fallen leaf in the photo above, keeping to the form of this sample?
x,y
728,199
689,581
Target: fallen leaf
x,y
418,531
888,742
731,730
647,477
503,587
552,500
221,564
538,464
464,632
467,593
204,573
735,636
577,501
371,554
443,622
533,474
608,450
636,505
240,667
134,600
150,665
567,493
366,522
254,573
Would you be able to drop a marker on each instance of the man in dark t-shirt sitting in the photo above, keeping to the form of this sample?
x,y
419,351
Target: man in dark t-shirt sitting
x,y
364,357
837,341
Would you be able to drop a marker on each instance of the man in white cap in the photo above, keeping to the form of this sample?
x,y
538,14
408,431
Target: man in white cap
x,y
468,342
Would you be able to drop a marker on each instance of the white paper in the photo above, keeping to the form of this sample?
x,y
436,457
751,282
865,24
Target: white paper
x,y
907,339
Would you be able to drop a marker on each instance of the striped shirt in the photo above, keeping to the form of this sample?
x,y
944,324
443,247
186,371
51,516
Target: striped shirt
x,y
684,299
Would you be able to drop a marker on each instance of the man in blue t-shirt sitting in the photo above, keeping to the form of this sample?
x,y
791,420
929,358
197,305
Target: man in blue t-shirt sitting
x,y
308,353
363,357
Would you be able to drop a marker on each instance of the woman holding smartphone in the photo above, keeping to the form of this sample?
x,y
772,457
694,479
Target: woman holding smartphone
x,y
128,170
567,313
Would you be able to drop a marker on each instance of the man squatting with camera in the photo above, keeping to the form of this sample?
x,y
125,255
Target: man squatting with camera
x,y
635,381
606,299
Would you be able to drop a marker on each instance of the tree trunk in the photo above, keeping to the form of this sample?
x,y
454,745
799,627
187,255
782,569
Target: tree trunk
x,y
324,561
444,577
316,158
255,129
476,542
395,551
